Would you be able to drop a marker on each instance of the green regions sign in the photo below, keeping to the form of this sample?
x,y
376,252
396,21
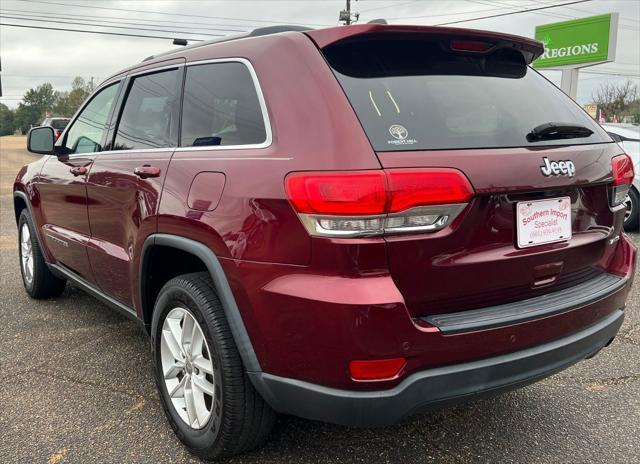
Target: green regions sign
x,y
578,42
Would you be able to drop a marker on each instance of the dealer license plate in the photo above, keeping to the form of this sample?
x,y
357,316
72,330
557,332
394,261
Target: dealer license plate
x,y
543,221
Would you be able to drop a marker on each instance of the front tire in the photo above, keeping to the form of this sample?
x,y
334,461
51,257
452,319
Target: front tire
x,y
632,215
37,278
206,395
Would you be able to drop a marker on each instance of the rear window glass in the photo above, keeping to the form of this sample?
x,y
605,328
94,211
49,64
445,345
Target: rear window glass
x,y
418,95
59,123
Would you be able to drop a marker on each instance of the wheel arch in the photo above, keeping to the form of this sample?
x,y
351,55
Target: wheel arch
x,y
212,265
21,202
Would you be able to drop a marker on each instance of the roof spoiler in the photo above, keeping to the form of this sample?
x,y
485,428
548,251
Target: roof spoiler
x,y
530,49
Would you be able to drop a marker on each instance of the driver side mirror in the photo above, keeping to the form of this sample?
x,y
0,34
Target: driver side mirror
x,y
40,140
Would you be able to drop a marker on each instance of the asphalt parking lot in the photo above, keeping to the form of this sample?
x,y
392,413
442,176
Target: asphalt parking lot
x,y
76,386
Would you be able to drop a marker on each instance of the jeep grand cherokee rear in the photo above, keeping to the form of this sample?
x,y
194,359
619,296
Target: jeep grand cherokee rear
x,y
489,247
363,221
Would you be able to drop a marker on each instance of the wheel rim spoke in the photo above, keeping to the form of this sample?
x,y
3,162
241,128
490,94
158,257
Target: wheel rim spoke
x,y
188,369
205,365
178,390
173,371
171,343
202,385
187,333
190,403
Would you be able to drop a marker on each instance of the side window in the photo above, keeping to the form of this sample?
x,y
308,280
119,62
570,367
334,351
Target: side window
x,y
615,137
149,118
221,107
87,131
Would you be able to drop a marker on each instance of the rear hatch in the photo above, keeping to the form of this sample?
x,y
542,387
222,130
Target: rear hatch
x,y
434,98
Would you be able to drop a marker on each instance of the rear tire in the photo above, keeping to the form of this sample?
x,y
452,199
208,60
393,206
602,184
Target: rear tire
x,y
37,278
632,220
235,418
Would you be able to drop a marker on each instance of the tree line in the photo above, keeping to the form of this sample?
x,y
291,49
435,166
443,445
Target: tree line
x,y
618,100
43,100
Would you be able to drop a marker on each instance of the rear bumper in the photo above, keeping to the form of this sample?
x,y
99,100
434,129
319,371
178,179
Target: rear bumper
x,y
435,387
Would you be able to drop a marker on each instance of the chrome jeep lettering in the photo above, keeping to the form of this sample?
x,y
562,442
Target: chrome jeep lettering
x,y
557,168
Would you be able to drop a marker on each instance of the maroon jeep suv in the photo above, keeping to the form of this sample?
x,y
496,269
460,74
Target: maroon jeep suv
x,y
349,225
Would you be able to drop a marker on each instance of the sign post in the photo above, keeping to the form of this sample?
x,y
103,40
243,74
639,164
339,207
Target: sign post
x,y
575,44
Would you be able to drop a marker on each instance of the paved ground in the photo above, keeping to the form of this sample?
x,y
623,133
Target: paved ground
x,y
76,386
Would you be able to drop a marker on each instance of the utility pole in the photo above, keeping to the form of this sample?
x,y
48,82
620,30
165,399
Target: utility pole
x,y
345,15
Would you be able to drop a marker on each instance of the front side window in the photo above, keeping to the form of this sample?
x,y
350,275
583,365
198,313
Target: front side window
x,y
221,107
150,115
89,128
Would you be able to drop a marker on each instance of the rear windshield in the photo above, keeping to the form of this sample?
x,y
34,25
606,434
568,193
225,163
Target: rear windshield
x,y
419,95
59,123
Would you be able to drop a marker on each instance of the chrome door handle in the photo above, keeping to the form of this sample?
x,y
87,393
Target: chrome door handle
x,y
146,171
78,170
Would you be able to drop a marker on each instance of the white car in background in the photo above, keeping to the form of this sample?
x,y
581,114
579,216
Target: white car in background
x,y
628,137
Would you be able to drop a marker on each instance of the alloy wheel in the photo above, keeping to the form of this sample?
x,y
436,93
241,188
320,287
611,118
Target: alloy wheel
x,y
26,253
629,204
187,368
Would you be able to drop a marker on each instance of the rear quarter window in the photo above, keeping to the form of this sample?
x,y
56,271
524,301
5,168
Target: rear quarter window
x,y
417,95
221,107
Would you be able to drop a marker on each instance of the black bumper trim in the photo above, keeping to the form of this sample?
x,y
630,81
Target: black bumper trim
x,y
526,310
435,387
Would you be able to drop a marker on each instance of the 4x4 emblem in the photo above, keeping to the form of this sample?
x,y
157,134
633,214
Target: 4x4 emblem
x,y
557,168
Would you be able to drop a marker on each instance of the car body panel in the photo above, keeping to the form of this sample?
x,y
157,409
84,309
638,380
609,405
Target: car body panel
x,y
123,211
63,206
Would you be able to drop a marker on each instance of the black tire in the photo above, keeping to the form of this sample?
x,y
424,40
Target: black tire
x,y
632,223
241,420
44,284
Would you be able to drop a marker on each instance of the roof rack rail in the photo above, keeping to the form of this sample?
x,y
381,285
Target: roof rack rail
x,y
267,30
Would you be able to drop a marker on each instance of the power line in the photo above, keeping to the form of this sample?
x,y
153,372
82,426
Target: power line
x,y
605,73
594,12
163,13
447,14
80,23
483,11
55,16
385,7
528,10
93,32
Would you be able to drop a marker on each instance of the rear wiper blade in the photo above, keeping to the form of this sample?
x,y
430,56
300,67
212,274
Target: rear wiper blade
x,y
558,130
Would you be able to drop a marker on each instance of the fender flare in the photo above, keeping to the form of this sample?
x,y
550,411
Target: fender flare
x,y
22,195
221,284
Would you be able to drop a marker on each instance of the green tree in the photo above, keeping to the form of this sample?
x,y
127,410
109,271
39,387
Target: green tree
x,y
35,104
6,120
67,103
615,99
42,98
26,116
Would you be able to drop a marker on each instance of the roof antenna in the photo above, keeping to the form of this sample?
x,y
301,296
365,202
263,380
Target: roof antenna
x,y
182,42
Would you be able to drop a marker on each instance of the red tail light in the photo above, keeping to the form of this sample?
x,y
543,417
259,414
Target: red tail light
x,y
58,133
356,203
622,168
351,193
427,187
378,369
